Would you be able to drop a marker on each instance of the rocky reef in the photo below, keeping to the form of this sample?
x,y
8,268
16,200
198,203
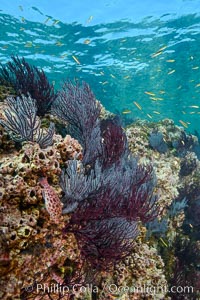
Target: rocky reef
x,y
31,244
177,170
89,210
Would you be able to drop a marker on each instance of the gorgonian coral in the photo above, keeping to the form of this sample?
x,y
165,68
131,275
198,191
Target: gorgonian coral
x,y
133,200
114,141
76,105
108,210
77,184
109,191
27,79
20,120
103,242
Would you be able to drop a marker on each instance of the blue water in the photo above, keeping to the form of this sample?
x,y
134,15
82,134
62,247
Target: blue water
x,y
141,58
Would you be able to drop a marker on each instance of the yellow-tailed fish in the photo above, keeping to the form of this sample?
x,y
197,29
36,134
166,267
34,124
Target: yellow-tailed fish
x,y
183,112
87,42
47,20
161,49
156,99
156,54
126,77
170,60
89,19
55,22
156,112
137,105
127,111
183,123
162,92
192,112
148,115
164,243
195,68
102,73
113,76
20,7
197,85
22,28
171,72
105,82
150,93
194,106
23,19
76,59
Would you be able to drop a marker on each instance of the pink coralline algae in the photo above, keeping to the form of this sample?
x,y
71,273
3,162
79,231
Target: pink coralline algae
x,y
52,201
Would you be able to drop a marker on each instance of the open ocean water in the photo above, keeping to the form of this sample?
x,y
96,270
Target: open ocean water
x,y
141,58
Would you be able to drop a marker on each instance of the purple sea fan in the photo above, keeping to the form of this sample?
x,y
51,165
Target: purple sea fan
x,y
103,222
133,184
77,185
115,143
140,202
76,105
104,242
22,123
27,79
120,199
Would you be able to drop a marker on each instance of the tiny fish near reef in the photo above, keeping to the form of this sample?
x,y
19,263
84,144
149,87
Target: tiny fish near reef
x,y
52,202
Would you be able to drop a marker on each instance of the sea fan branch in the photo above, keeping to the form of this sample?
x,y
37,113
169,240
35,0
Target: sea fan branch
x,y
22,123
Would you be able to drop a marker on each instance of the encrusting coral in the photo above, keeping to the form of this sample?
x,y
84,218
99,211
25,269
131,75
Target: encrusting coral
x,y
31,241
52,201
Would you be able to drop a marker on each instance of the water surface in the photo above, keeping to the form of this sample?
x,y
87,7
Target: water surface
x,y
141,58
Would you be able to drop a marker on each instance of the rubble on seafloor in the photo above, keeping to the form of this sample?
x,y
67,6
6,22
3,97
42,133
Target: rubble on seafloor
x,y
34,249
